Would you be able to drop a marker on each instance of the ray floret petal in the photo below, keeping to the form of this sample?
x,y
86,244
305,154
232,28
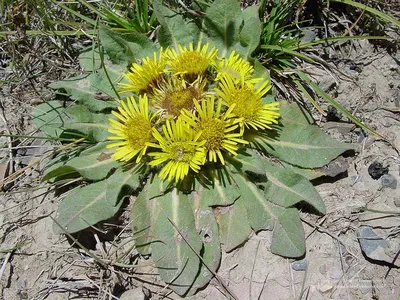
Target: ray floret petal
x,y
248,100
132,130
145,76
219,130
189,61
179,149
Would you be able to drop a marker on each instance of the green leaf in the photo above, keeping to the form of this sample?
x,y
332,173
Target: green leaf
x,y
221,192
249,36
174,30
94,125
50,118
286,188
207,229
281,186
258,209
310,174
90,59
234,228
288,234
229,28
54,119
177,263
298,142
143,213
84,207
222,23
124,48
85,89
123,183
94,163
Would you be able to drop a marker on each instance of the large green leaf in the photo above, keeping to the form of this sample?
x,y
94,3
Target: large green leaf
x,y
174,30
93,125
298,142
86,206
262,214
124,48
143,213
229,28
281,186
94,163
88,89
50,117
153,213
54,119
207,229
233,224
257,207
249,35
221,192
176,261
123,181
288,234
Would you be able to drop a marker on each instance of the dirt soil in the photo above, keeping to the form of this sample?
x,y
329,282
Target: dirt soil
x,y
43,265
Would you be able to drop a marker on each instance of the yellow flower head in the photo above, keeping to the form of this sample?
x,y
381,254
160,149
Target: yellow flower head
x,y
143,78
216,128
176,94
248,103
235,67
133,129
180,147
191,62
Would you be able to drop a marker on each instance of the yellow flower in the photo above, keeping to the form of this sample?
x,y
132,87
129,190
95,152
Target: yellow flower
x,y
180,148
248,102
216,128
192,62
174,95
234,66
133,129
143,78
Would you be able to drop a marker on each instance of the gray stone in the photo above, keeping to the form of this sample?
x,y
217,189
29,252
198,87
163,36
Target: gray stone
x,y
370,241
134,294
299,265
388,180
397,202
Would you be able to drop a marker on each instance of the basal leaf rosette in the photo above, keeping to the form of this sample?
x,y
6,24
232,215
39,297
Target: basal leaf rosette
x,y
190,110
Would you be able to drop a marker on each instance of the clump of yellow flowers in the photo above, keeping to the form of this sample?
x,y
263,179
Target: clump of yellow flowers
x,y
191,107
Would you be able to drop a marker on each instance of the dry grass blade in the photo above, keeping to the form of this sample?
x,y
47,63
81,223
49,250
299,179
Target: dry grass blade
x,y
371,10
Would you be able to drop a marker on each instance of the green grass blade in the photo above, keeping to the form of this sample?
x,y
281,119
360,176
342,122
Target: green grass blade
x,y
287,51
309,97
370,10
75,13
337,39
335,104
92,8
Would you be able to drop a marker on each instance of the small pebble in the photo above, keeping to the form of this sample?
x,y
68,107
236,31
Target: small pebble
x,y
134,294
376,170
326,286
333,114
389,181
323,269
397,202
299,265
